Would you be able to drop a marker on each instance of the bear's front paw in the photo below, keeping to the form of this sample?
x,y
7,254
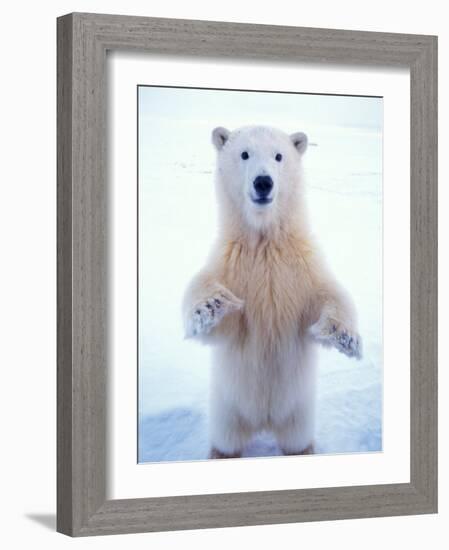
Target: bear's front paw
x,y
207,314
330,332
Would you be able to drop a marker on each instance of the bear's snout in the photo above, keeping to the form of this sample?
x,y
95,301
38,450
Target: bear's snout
x,y
263,186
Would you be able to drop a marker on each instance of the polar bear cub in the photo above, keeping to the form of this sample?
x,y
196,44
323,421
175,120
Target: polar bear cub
x,y
265,296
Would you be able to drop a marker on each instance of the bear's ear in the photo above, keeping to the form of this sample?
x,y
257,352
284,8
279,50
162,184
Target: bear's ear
x,y
299,140
219,137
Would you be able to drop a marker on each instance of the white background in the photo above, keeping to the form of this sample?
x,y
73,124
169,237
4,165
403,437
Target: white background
x,y
130,480
28,278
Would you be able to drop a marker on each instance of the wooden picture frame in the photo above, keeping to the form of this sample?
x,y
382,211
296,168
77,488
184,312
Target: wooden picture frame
x,y
83,40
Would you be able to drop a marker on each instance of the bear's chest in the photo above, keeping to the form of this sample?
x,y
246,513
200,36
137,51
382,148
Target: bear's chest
x,y
274,283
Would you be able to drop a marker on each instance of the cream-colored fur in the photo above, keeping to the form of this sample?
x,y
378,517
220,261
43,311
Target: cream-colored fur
x,y
265,297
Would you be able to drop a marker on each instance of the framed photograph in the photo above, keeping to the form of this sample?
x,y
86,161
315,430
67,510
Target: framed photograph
x,y
247,281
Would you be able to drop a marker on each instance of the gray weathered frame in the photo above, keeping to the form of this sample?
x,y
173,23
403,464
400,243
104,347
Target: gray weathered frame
x,y
83,40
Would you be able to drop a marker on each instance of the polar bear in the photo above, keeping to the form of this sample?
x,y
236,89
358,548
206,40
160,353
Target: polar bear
x,y
265,296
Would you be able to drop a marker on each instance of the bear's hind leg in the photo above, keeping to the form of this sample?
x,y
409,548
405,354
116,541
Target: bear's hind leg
x,y
309,450
229,433
296,435
215,453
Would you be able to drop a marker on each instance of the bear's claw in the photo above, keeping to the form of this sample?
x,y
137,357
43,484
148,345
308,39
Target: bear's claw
x,y
331,333
208,314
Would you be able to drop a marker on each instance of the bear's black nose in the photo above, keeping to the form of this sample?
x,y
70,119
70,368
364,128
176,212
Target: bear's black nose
x,y
263,185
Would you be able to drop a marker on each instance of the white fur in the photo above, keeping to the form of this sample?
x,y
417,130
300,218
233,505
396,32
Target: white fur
x,y
265,297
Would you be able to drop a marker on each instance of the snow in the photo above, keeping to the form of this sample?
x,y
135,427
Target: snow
x,y
177,220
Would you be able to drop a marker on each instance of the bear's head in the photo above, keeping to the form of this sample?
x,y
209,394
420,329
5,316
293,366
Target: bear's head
x,y
258,174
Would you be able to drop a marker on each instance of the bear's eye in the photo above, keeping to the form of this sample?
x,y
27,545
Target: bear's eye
x,y
278,157
245,155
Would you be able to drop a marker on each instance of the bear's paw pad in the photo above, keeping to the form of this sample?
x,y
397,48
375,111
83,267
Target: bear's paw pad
x,y
332,333
208,313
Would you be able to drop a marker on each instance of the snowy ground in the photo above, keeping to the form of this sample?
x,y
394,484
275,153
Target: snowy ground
x,y
177,221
